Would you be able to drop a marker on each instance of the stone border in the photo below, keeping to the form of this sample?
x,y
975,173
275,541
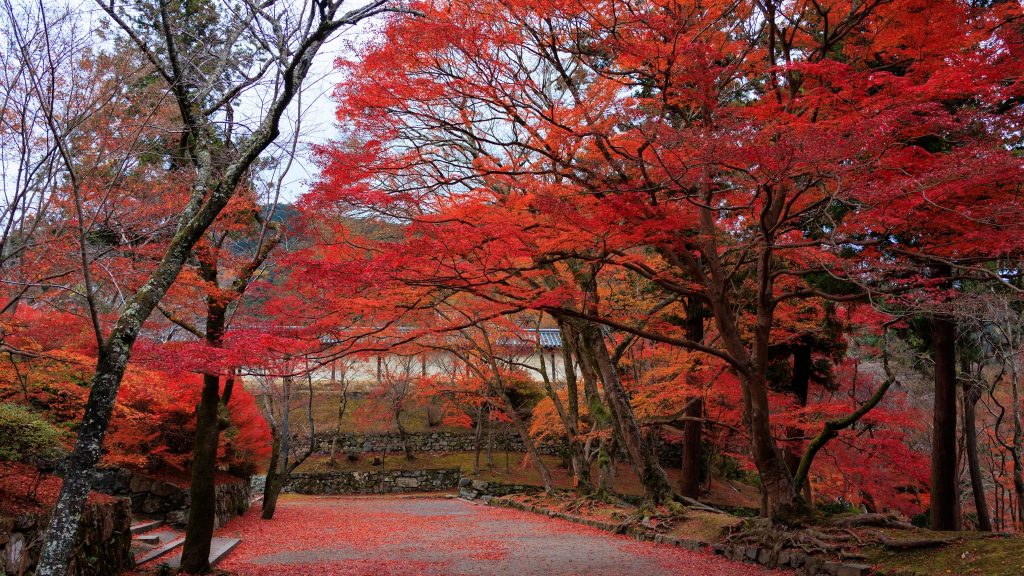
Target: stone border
x,y
788,559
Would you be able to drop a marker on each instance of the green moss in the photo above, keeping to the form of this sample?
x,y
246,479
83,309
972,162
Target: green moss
x,y
973,554
27,437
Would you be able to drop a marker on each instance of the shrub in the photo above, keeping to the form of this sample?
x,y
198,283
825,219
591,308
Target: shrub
x,y
28,438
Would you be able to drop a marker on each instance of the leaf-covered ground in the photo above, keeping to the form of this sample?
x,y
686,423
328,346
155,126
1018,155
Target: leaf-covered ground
x,y
391,536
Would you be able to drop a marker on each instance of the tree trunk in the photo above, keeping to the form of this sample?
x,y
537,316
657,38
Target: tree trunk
x,y
202,510
524,433
1018,444
195,555
271,492
67,512
277,473
645,462
800,383
781,501
569,412
945,501
490,446
693,429
971,395
269,496
690,475
606,465
403,437
478,439
580,466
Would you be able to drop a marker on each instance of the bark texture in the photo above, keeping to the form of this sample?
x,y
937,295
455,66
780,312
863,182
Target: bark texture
x,y
945,499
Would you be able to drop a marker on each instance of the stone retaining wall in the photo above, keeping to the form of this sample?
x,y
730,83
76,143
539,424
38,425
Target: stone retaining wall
x,y
104,545
472,489
160,499
420,441
670,455
376,482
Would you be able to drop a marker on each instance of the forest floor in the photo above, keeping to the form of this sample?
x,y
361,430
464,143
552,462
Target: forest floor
x,y
886,543
399,536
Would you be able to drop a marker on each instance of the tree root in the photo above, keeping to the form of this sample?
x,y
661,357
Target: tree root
x,y
697,505
875,520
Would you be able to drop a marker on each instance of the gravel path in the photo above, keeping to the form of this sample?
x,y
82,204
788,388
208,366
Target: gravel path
x,y
392,536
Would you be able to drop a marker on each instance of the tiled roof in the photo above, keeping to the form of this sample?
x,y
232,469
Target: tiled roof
x,y
550,337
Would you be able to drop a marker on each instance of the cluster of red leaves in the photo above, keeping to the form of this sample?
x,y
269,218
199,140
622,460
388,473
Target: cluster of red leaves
x,y
153,422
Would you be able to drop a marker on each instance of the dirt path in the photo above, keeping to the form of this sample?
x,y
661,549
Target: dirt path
x,y
388,536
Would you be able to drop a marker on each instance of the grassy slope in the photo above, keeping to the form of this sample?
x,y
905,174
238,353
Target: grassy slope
x,y
972,554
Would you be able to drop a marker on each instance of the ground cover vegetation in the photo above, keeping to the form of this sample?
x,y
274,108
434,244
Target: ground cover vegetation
x,y
782,239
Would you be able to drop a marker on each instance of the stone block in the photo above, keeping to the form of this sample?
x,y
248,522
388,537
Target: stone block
x,y
854,570
177,518
784,556
831,568
140,483
164,489
813,566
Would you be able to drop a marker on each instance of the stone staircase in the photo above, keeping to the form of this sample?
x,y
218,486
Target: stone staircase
x,y
151,540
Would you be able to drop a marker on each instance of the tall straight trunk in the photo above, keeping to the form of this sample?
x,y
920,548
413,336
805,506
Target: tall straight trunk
x,y
800,383
645,462
1018,445
195,555
693,429
580,466
202,512
945,500
971,395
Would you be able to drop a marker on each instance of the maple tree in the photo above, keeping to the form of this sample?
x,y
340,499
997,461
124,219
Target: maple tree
x,y
774,234
748,156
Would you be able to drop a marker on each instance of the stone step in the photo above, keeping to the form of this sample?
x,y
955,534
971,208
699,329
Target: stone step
x,y
151,539
165,546
219,548
146,525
